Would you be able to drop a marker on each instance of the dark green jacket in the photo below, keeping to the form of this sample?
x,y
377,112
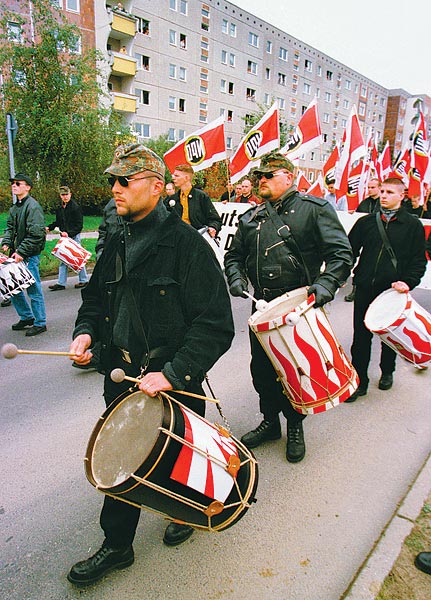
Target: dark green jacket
x,y
25,228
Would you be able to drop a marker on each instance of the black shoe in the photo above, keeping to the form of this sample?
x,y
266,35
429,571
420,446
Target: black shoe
x,y
81,285
5,303
386,382
35,330
361,391
56,287
423,562
176,534
350,297
22,324
295,449
267,430
105,560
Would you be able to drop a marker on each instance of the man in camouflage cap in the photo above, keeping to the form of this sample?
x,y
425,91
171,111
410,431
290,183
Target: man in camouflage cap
x,y
281,246
158,304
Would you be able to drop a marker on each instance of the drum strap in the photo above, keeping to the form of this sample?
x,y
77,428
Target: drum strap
x,y
284,231
386,242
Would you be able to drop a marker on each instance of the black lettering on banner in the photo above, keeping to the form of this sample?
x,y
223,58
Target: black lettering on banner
x,y
194,149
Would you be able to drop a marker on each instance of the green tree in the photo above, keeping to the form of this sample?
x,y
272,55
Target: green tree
x,y
65,135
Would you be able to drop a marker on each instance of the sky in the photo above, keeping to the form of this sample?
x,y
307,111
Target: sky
x,y
388,42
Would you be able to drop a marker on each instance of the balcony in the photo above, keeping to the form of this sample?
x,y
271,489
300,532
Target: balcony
x,y
123,65
124,102
123,26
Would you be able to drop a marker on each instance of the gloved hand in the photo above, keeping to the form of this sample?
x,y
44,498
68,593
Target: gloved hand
x,y
237,288
321,294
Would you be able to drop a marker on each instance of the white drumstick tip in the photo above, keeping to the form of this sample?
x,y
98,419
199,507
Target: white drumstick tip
x,y
261,305
118,375
293,319
9,351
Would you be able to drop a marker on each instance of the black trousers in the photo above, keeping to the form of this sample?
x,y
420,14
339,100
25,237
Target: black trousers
x,y
118,519
272,401
362,337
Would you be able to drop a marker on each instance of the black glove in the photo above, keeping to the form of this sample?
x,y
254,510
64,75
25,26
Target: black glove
x,y
321,294
237,288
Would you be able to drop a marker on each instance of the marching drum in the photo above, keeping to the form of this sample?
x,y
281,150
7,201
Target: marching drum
x,y
71,254
155,453
402,324
14,277
298,339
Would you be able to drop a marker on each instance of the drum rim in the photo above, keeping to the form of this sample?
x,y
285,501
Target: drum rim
x,y
395,321
258,319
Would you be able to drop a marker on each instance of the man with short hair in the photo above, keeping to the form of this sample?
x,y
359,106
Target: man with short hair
x,y
274,265
24,240
247,193
69,220
192,204
399,265
371,203
170,189
157,301
330,196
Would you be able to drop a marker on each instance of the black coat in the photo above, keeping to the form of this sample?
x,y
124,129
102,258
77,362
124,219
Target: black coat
x,y
68,219
202,212
180,293
375,269
258,254
369,205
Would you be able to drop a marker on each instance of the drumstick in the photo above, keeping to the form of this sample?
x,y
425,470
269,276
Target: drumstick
x,y
10,351
260,304
118,375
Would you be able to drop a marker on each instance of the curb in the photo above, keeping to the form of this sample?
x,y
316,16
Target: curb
x,y
370,576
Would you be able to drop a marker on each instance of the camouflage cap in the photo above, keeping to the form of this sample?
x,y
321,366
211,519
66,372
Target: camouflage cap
x,y
273,161
130,159
64,189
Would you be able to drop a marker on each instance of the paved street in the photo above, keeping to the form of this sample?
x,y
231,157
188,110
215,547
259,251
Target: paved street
x,y
310,531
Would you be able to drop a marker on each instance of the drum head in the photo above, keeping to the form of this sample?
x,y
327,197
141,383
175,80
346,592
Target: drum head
x,y
385,310
279,306
125,439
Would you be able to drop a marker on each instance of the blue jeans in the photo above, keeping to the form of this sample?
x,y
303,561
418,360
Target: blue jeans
x,y
35,293
62,270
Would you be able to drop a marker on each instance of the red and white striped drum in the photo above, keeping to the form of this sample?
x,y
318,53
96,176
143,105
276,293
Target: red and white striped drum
x,y
14,277
298,339
155,453
71,253
402,324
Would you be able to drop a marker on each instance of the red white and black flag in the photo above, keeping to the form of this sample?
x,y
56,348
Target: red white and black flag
x,y
308,133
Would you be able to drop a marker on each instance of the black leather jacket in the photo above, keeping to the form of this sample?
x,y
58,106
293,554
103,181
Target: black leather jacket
x,y
202,212
259,254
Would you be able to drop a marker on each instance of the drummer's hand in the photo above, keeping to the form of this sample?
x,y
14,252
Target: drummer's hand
x,y
152,383
79,348
17,257
212,232
321,294
237,288
5,248
401,287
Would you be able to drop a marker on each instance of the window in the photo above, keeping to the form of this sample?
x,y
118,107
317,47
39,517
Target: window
x,y
203,118
233,30
172,103
173,4
348,84
76,46
317,92
181,105
230,115
307,88
224,57
205,12
229,144
143,26
172,37
231,88
20,78
203,105
72,5
382,101
282,79
361,109
324,137
182,74
267,73
143,62
181,134
14,32
319,71
253,39
329,75
222,112
223,86
308,65
346,104
344,123
296,67
171,134
232,59
250,94
267,100
225,26
380,118
282,54
326,117
252,67
269,46
143,130
173,71
281,103
183,41
183,7
328,97
143,97
363,91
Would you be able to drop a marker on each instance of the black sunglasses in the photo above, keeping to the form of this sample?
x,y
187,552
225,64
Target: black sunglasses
x,y
124,181
17,183
268,175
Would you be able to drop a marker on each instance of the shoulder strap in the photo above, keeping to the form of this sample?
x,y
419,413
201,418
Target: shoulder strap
x,y
284,231
386,242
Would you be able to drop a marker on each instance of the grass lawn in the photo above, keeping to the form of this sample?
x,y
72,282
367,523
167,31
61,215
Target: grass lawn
x,y
90,223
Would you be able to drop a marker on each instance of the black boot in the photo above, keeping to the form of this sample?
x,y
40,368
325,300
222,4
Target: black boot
x,y
295,449
105,560
267,430
177,533
423,562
